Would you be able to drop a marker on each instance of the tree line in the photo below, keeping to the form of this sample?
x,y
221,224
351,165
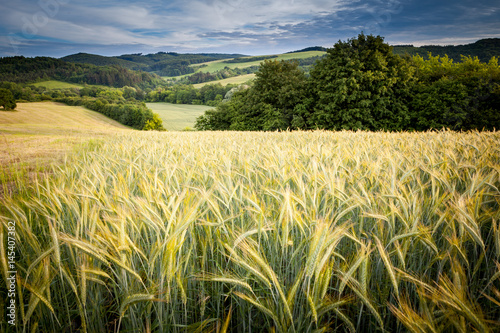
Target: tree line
x,y
24,70
210,94
161,63
362,84
484,49
125,105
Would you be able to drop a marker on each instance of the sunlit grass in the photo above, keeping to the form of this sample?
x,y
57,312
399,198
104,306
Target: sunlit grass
x,y
177,117
36,135
263,232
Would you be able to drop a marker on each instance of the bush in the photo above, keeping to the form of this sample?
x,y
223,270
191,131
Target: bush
x,y
7,100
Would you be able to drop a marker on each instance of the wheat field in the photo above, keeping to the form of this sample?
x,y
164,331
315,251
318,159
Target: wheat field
x,y
262,232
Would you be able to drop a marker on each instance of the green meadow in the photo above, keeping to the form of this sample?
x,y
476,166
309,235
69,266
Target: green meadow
x,y
52,84
177,117
240,79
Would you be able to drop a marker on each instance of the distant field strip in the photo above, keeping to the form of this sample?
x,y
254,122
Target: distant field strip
x,y
177,117
232,80
263,232
214,66
48,118
52,84
56,85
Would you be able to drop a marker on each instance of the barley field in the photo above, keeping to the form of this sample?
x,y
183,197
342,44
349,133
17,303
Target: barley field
x,y
262,232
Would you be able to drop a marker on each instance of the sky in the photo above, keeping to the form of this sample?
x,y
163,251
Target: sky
x,y
58,28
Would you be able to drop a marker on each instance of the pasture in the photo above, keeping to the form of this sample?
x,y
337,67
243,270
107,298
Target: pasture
x,y
177,117
52,84
240,79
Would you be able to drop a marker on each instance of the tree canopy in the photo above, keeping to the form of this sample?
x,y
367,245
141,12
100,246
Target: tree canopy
x,y
362,84
268,105
7,100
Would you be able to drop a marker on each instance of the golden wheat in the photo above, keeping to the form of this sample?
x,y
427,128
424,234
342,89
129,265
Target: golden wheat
x,y
286,232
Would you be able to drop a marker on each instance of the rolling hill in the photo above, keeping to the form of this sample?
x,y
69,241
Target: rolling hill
x,y
21,69
38,134
484,49
161,63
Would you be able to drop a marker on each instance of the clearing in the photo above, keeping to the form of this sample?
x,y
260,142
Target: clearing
x,y
224,82
52,84
177,117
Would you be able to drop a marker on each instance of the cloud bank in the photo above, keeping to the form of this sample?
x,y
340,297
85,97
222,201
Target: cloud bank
x,y
110,27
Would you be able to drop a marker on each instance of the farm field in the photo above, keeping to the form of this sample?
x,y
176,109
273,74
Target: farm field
x,y
263,232
214,66
177,117
37,134
240,79
52,84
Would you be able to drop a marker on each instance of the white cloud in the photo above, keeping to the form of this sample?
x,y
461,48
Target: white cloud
x,y
222,24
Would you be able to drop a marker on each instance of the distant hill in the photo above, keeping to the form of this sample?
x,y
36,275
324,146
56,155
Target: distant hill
x,y
98,60
484,49
161,63
30,70
313,48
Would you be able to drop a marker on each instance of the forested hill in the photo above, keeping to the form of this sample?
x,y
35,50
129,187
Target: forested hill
x,y
98,60
27,70
161,63
484,49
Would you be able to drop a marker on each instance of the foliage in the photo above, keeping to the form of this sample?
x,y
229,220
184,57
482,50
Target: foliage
x,y
361,84
210,95
313,48
25,70
457,95
262,232
135,115
123,105
161,63
268,105
249,59
7,100
153,124
483,49
200,77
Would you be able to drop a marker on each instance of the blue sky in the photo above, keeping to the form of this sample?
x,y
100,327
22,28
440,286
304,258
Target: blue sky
x,y
110,27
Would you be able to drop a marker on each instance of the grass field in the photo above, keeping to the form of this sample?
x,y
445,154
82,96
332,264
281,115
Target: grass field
x,y
263,232
214,66
177,117
232,80
57,85
52,84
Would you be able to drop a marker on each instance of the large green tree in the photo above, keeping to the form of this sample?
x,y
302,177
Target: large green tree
x,y
270,104
280,86
360,84
7,100
457,95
